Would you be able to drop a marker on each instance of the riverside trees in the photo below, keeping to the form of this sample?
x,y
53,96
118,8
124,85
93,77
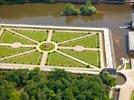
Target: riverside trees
x,y
87,9
57,85
70,10
21,1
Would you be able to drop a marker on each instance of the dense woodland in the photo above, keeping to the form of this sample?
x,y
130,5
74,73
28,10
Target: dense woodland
x,y
23,84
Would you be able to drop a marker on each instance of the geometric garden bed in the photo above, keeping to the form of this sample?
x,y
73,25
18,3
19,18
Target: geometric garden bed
x,y
55,48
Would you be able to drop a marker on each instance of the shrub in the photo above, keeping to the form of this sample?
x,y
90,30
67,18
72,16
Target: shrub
x,y
87,10
70,10
108,79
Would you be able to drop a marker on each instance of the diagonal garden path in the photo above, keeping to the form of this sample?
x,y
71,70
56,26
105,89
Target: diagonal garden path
x,y
27,52
21,45
45,54
78,60
81,37
22,35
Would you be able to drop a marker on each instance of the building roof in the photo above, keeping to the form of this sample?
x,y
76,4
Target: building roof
x,y
132,63
131,41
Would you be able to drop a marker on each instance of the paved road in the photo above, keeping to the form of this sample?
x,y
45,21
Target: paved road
x,y
128,87
49,68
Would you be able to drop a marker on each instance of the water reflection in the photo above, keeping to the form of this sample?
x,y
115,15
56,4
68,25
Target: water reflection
x,y
71,19
111,16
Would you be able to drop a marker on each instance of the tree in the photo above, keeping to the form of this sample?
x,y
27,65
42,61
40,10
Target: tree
x,y
24,96
87,9
41,96
59,73
18,76
68,95
6,88
69,9
89,3
108,79
36,75
81,97
14,95
56,85
21,1
1,2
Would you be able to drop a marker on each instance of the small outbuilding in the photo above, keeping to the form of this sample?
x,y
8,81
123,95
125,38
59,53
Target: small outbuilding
x,y
131,42
132,63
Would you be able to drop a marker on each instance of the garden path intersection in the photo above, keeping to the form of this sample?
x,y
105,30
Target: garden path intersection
x,y
93,69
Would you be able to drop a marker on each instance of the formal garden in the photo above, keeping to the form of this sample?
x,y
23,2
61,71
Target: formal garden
x,y
56,48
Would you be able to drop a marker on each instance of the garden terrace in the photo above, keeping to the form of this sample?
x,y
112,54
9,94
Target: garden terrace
x,y
52,48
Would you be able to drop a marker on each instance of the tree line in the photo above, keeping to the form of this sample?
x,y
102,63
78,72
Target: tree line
x,y
45,1
21,1
23,84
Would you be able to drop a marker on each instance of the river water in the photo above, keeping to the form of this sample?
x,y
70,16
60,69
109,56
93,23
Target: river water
x,y
111,16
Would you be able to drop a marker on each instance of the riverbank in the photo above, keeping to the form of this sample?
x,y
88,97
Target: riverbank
x,y
110,16
63,1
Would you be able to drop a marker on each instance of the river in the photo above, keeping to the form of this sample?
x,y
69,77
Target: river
x,y
111,16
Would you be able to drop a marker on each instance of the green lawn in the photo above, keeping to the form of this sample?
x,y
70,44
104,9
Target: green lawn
x,y
132,97
91,57
31,58
7,51
8,37
47,46
63,36
56,59
39,36
89,42
128,66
